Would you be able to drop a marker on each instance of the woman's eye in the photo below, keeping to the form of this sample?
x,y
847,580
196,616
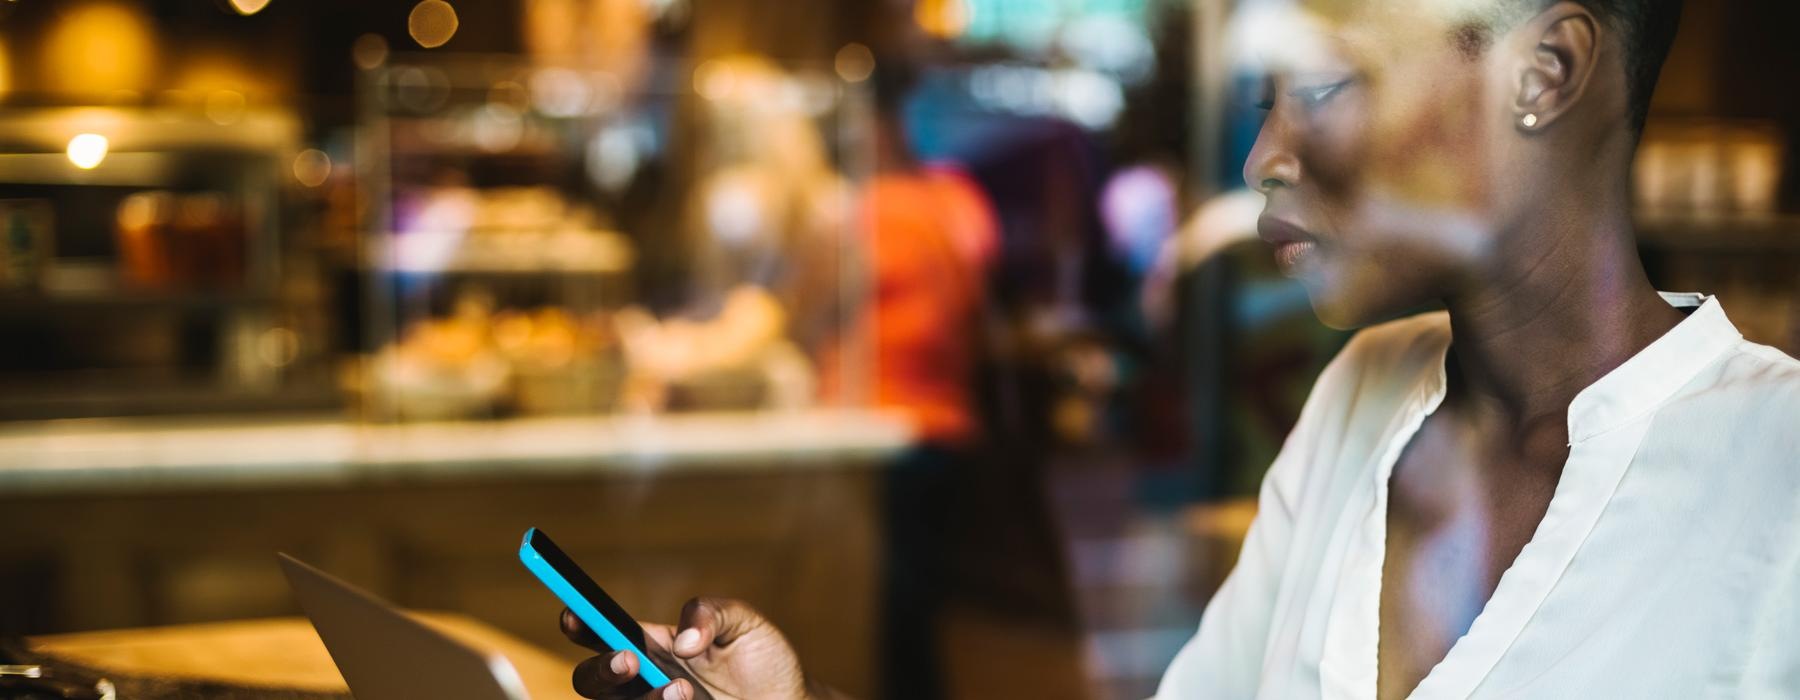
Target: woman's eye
x,y
1315,96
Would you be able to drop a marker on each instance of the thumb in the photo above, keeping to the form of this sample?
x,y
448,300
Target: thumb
x,y
709,622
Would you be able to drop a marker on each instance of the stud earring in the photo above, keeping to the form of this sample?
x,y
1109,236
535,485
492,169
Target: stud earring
x,y
1530,120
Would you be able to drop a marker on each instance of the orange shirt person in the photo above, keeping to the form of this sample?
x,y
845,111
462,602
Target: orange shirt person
x,y
931,233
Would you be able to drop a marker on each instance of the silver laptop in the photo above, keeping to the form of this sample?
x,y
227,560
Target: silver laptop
x,y
385,655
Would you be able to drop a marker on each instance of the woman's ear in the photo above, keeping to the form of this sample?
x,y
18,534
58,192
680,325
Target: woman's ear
x,y
1558,65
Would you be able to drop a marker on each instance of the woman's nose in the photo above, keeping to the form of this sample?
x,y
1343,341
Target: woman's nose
x,y
1273,163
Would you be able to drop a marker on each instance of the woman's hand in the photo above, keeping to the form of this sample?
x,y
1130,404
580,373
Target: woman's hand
x,y
722,650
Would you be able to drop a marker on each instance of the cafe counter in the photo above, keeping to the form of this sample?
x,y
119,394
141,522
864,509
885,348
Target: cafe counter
x,y
111,524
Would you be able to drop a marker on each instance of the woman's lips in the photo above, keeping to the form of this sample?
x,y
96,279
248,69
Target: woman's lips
x,y
1294,246
1290,256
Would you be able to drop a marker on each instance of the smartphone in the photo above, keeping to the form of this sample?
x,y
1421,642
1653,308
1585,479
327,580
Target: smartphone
x,y
595,608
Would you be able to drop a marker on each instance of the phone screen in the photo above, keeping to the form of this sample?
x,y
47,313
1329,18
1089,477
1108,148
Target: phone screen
x,y
567,580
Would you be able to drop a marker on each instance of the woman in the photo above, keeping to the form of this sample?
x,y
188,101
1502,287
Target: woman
x,y
1567,485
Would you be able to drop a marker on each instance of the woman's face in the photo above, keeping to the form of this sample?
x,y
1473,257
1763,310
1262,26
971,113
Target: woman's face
x,y
1387,128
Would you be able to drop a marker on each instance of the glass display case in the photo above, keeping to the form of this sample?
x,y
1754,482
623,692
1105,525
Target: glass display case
x,y
545,240
146,262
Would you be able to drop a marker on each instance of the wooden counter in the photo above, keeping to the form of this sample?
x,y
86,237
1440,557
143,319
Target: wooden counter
x,y
133,455
106,525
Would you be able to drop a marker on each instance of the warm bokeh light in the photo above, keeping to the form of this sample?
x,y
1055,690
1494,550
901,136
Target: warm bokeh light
x,y
711,80
421,89
277,347
5,68
99,47
511,94
225,107
497,128
369,51
945,19
249,7
87,150
312,167
432,23
560,92
855,63
741,77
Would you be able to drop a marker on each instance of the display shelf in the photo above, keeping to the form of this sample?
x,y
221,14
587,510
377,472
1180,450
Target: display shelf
x,y
132,302
46,130
165,276
1777,234
512,253
103,455
100,394
510,203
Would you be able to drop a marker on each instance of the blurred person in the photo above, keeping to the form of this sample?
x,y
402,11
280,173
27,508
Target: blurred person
x,y
1564,485
765,226
770,208
931,234
763,240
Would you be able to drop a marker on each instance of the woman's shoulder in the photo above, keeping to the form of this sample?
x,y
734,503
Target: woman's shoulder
x,y
1752,390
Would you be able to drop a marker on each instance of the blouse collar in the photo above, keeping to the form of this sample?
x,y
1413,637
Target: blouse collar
x,y
1654,375
1640,384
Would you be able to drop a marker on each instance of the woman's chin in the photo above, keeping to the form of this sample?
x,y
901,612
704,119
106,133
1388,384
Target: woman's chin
x,y
1342,311
1337,318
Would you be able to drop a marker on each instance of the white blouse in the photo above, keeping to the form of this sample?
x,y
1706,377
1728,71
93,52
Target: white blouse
x,y
1667,566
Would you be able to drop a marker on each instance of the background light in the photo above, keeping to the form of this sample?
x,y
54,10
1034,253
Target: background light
x,y
712,80
249,7
369,51
278,347
5,69
944,19
432,23
312,167
560,92
225,107
99,47
87,150
855,63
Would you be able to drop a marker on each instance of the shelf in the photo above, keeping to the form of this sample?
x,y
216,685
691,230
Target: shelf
x,y
105,393
16,304
1723,233
571,252
152,129
113,454
477,271
118,170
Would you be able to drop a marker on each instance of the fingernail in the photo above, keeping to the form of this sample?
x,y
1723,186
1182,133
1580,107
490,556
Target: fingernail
x,y
675,691
619,664
688,641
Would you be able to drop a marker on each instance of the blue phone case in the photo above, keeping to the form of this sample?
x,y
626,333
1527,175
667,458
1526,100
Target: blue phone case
x,y
614,638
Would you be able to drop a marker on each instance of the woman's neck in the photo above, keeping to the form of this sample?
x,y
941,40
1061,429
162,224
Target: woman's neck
x,y
1547,323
